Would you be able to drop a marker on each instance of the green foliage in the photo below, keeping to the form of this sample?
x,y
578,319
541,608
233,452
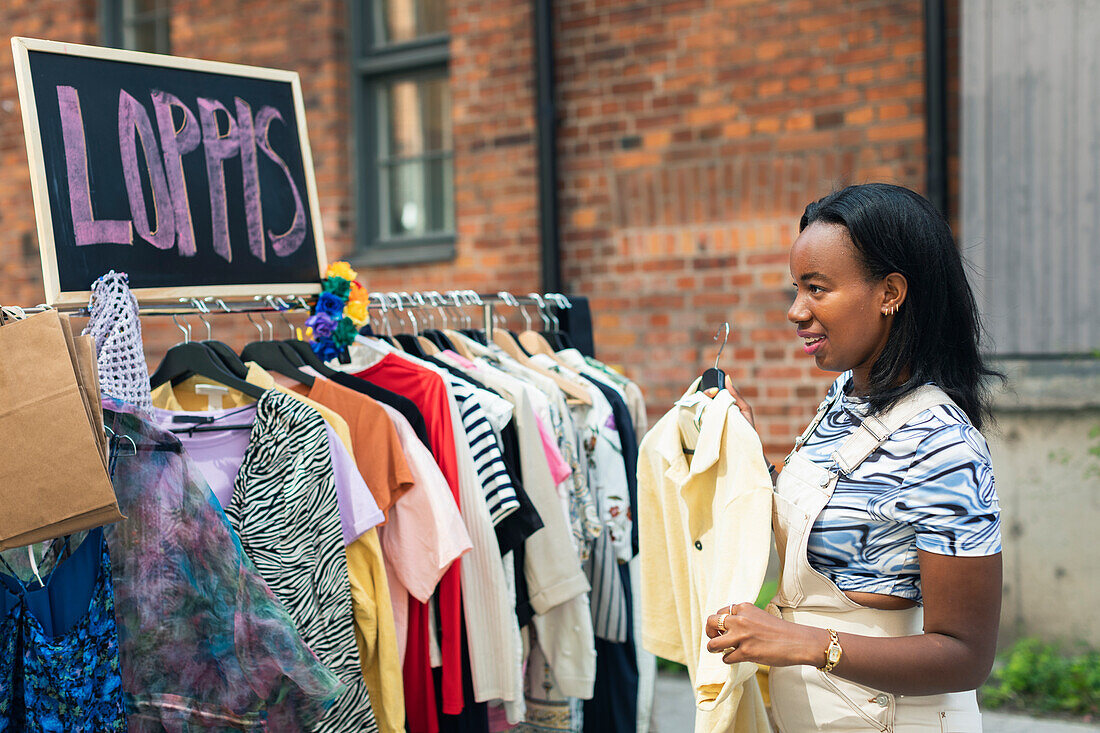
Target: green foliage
x,y
1036,676
667,665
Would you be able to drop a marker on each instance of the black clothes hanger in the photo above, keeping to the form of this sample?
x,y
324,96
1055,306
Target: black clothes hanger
x,y
183,360
410,345
270,355
205,423
222,352
309,358
440,339
715,378
476,335
227,357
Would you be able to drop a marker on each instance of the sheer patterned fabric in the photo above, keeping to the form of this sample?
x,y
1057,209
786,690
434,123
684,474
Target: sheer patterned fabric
x,y
205,644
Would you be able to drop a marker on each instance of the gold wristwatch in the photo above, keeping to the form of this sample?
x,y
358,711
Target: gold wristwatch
x,y
832,654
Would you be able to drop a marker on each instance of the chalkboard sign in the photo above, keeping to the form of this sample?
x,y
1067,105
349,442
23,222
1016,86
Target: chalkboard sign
x,y
193,177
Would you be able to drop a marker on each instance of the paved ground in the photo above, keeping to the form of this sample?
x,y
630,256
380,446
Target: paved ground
x,y
673,712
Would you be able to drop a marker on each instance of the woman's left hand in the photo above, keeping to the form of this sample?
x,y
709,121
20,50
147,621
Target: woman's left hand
x,y
754,635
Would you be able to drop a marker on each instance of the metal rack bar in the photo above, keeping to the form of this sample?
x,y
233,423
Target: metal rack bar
x,y
260,304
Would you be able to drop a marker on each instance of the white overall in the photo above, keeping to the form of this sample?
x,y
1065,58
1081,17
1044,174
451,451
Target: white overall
x,y
805,698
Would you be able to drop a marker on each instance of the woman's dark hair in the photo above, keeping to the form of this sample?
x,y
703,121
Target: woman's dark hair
x,y
936,333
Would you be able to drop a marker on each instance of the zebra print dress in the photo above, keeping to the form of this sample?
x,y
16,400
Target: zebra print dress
x,y
929,487
284,510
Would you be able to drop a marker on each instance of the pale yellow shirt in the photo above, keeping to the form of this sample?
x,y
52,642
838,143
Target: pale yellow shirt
x,y
705,534
375,633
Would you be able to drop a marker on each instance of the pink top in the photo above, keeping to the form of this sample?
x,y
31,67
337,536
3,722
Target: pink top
x,y
559,467
425,533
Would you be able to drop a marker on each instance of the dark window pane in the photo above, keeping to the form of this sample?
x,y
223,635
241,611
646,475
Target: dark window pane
x,y
142,37
145,25
416,116
418,198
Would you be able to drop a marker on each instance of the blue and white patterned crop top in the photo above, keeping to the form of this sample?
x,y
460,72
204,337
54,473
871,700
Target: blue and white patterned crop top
x,y
929,487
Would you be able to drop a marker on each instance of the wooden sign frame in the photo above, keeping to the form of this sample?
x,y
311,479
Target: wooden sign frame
x,y
55,296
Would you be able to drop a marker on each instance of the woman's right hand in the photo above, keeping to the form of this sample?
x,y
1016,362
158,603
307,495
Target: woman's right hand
x,y
742,405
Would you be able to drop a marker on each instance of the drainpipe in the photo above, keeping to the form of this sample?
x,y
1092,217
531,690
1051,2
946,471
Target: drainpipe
x,y
935,85
546,117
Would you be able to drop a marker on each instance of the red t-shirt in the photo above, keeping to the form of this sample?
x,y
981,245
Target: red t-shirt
x,y
428,392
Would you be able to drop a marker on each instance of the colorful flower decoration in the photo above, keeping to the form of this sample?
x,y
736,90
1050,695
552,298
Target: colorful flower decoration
x,y
340,311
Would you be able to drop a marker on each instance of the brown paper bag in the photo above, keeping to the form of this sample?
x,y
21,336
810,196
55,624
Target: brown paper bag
x,y
82,355
53,475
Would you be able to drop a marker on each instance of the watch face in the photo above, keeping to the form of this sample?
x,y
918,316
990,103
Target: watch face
x,y
834,654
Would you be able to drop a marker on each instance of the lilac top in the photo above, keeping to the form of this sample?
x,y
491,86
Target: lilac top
x,y
219,454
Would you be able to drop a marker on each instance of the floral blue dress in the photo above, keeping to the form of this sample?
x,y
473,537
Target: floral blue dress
x,y
59,653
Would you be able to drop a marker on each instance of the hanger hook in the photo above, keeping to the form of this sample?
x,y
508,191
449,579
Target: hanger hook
x,y
202,309
383,314
542,309
422,304
185,331
438,301
412,304
523,312
191,302
279,305
459,299
397,307
248,315
270,327
724,332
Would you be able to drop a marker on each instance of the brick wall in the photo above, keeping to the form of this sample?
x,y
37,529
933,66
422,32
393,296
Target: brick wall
x,y
61,20
495,163
692,134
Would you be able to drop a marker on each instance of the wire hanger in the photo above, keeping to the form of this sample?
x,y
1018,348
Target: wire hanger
x,y
715,378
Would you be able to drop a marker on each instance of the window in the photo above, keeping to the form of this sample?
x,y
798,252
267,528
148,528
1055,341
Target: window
x,y
403,131
137,25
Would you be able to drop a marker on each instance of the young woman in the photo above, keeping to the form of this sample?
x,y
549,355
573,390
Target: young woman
x,y
886,518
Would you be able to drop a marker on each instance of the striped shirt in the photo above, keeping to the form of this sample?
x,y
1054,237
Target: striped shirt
x,y
496,484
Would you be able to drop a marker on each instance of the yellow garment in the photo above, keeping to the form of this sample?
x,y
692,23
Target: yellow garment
x,y
183,398
375,633
370,593
705,537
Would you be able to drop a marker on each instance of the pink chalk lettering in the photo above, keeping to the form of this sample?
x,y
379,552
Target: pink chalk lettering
x,y
289,241
133,119
253,211
218,147
176,144
86,228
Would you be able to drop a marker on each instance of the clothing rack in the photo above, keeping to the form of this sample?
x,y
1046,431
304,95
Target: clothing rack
x,y
400,302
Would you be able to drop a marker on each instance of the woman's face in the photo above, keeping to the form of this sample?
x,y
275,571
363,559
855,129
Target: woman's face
x,y
837,309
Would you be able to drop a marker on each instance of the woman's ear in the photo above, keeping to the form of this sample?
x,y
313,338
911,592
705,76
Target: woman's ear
x,y
896,288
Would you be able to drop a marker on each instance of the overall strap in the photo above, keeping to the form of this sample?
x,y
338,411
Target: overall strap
x,y
875,430
822,410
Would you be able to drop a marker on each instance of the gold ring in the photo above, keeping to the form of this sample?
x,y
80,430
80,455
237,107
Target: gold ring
x,y
722,622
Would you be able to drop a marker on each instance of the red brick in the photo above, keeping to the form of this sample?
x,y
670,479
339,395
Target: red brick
x,y
746,110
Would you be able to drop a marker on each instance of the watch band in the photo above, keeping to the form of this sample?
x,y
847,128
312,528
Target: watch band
x,y
833,652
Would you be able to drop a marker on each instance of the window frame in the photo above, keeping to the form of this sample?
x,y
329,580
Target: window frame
x,y
371,68
112,24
